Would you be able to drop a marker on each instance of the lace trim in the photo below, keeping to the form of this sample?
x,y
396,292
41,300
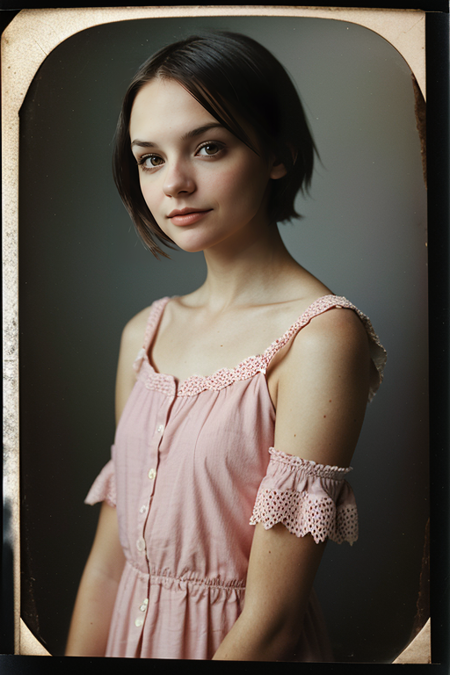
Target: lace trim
x,y
302,514
160,382
195,384
252,365
308,466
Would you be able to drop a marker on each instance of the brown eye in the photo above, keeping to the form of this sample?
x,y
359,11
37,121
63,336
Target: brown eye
x,y
150,161
155,160
209,149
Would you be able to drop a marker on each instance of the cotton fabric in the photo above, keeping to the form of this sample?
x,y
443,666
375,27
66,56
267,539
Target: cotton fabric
x,y
192,471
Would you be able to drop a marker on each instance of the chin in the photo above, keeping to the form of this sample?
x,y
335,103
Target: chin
x,y
190,246
194,242
191,249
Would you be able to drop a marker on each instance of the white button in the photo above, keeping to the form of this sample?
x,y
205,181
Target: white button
x,y
143,509
138,622
160,428
140,544
152,474
143,607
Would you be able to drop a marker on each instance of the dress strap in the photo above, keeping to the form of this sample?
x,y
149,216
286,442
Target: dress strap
x,y
319,306
153,320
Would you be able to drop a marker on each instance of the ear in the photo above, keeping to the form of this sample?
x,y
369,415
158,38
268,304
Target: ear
x,y
278,169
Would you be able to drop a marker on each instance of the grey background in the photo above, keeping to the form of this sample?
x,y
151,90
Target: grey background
x,y
84,273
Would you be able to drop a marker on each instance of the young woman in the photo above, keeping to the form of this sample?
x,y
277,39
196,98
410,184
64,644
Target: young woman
x,y
238,419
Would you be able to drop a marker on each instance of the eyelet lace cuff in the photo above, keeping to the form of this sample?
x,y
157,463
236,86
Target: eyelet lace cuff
x,y
103,488
306,498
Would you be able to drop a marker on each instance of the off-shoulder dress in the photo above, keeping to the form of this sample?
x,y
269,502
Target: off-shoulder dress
x,y
193,469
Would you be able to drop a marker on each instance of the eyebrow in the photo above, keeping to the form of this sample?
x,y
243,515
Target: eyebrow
x,y
189,134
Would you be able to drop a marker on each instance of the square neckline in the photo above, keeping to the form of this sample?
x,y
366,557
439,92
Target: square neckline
x,y
251,365
256,362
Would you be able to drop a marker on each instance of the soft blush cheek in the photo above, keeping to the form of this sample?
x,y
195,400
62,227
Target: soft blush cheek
x,y
246,204
236,190
155,205
148,188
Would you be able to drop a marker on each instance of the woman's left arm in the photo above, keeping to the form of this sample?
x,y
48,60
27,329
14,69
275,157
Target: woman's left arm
x,y
322,391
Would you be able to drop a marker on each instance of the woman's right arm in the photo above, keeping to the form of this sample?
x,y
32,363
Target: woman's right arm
x,y
92,613
97,592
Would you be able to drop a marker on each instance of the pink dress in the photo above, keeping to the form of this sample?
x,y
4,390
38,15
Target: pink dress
x,y
192,471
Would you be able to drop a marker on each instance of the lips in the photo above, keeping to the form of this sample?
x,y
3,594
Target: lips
x,y
186,211
187,216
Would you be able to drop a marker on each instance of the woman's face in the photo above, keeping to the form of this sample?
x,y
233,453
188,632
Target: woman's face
x,y
202,185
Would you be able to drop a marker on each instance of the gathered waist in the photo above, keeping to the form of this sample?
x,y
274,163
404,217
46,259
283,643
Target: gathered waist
x,y
187,579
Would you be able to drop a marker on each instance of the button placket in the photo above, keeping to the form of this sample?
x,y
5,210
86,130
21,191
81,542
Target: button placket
x,y
152,470
140,544
139,621
153,461
157,441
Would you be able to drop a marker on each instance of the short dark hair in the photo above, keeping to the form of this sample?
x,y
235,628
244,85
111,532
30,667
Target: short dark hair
x,y
233,77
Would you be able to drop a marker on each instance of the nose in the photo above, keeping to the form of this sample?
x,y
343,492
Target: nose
x,y
178,180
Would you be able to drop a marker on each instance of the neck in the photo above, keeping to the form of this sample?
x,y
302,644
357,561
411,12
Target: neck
x,y
248,274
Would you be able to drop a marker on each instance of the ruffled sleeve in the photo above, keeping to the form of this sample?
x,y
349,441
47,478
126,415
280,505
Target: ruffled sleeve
x,y
306,498
103,488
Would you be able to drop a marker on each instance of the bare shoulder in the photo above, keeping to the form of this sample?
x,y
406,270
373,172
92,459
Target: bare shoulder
x,y
323,387
336,329
330,353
